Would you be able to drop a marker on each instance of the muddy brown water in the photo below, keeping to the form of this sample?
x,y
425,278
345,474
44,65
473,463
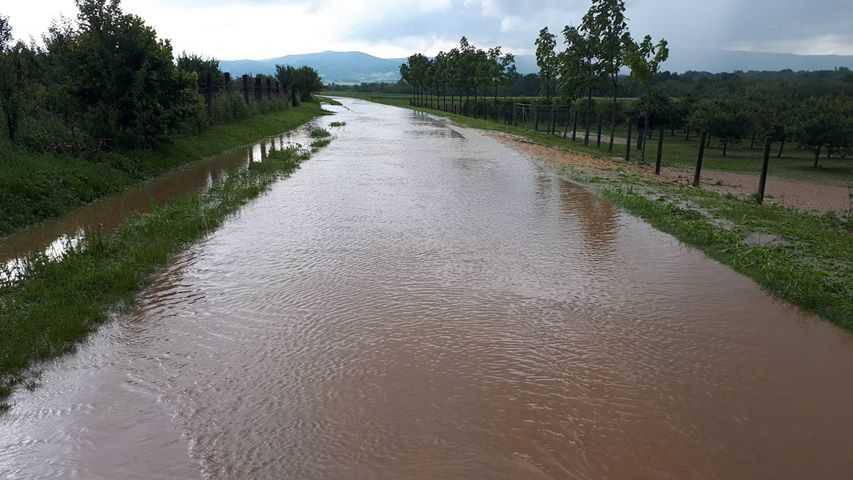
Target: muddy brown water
x,y
419,301
53,237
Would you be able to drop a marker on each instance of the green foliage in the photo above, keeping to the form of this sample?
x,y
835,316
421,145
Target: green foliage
x,y
300,83
465,70
825,122
319,132
546,59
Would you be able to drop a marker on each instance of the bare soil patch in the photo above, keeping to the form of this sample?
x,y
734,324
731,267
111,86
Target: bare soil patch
x,y
789,193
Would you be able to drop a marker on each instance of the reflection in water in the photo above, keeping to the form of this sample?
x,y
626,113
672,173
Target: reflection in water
x,y
54,237
436,305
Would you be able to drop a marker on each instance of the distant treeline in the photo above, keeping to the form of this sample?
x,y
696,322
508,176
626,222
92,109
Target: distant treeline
x,y
106,80
675,85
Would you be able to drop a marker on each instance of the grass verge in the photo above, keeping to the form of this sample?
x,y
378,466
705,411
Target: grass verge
x,y
802,257
58,303
38,186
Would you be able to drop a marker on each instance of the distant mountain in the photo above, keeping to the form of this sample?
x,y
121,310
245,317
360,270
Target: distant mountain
x,y
333,67
718,61
358,67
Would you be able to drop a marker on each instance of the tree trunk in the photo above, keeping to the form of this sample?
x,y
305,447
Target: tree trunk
x,y
817,156
725,147
587,114
781,148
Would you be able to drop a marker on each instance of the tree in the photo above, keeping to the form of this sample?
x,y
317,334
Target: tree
x,y
607,18
644,59
8,79
124,77
825,122
286,76
546,59
308,82
203,68
582,53
5,34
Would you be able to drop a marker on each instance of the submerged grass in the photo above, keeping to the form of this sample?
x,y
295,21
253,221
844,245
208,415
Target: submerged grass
x,y
808,260
58,303
337,124
320,143
801,257
319,132
38,186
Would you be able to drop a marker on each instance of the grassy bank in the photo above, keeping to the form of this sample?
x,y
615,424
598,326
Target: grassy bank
x,y
38,186
678,152
802,257
57,304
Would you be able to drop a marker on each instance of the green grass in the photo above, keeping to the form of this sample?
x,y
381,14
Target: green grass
x,y
811,267
320,143
318,132
679,153
337,124
35,186
58,303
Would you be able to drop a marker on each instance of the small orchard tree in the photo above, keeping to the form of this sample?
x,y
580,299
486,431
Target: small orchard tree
x,y
824,122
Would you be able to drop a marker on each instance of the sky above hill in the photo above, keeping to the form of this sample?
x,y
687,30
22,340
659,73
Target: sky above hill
x,y
230,29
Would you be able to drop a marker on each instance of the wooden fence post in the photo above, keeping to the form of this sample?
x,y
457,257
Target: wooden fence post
x,y
536,115
762,182
659,160
553,119
575,127
628,144
598,139
208,93
697,175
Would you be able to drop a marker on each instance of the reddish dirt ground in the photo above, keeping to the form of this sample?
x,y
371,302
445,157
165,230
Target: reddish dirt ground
x,y
789,193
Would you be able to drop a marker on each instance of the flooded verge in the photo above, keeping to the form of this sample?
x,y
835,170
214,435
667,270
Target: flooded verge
x,y
54,236
420,301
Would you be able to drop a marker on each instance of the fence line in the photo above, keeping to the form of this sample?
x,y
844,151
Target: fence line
x,y
565,121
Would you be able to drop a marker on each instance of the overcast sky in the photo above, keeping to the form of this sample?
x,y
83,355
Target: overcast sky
x,y
232,29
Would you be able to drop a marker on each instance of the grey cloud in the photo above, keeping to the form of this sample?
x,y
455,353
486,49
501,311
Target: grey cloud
x,y
719,24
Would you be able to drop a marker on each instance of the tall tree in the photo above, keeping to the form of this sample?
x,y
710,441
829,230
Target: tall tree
x,y
645,59
547,60
607,17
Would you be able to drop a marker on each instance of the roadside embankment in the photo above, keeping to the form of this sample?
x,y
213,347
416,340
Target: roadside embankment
x,y
38,186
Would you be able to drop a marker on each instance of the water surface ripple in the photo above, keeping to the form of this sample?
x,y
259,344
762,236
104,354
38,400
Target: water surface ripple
x,y
421,302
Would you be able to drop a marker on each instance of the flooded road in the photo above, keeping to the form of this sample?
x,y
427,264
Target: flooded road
x,y
421,302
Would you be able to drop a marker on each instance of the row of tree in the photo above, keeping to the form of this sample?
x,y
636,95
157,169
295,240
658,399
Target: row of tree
x,y
464,71
105,79
813,109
